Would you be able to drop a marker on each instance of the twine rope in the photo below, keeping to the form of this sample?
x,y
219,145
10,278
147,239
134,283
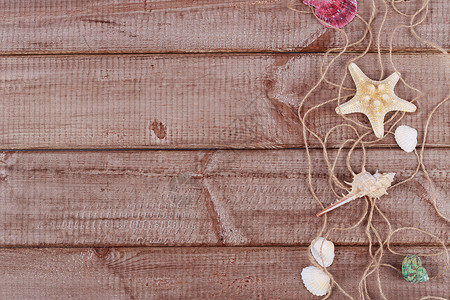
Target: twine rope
x,y
377,245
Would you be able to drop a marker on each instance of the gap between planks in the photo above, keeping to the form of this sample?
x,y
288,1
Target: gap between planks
x,y
279,147
249,246
217,52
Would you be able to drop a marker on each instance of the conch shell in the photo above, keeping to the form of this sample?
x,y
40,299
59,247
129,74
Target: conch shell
x,y
364,184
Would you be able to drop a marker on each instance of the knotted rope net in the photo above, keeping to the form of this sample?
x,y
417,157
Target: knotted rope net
x,y
379,243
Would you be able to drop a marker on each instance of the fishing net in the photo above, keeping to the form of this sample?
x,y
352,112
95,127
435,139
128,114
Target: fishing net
x,y
379,239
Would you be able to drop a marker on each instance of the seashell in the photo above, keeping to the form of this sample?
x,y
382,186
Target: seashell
x,y
316,281
364,184
334,13
323,251
406,138
412,269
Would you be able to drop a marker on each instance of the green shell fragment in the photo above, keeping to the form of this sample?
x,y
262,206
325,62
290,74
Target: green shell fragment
x,y
412,269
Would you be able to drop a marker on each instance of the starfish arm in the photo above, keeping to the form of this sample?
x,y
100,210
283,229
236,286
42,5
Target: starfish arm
x,y
357,75
377,122
351,106
392,79
402,105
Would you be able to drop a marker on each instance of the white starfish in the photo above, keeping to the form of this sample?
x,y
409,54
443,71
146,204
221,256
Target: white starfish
x,y
374,99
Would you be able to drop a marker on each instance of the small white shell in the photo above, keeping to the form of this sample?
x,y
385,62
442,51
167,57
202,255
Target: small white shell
x,y
323,251
406,138
315,280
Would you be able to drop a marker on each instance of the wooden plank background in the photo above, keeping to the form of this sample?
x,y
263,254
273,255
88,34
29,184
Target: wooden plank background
x,y
125,26
139,155
214,101
193,273
200,198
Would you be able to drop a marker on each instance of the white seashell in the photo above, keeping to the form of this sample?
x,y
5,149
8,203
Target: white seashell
x,y
315,280
406,138
364,184
323,251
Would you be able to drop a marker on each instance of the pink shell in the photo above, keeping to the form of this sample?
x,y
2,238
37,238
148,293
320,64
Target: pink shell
x,y
334,13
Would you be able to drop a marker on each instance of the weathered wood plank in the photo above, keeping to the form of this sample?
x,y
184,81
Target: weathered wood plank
x,y
244,197
196,273
191,101
42,26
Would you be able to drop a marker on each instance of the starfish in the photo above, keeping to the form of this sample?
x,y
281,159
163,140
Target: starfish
x,y
374,99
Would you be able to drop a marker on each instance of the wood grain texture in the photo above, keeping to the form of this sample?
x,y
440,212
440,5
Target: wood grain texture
x,y
196,273
48,26
193,101
151,88
111,198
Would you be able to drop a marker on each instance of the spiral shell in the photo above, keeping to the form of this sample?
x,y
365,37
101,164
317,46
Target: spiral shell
x,y
323,251
315,280
364,184
406,138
